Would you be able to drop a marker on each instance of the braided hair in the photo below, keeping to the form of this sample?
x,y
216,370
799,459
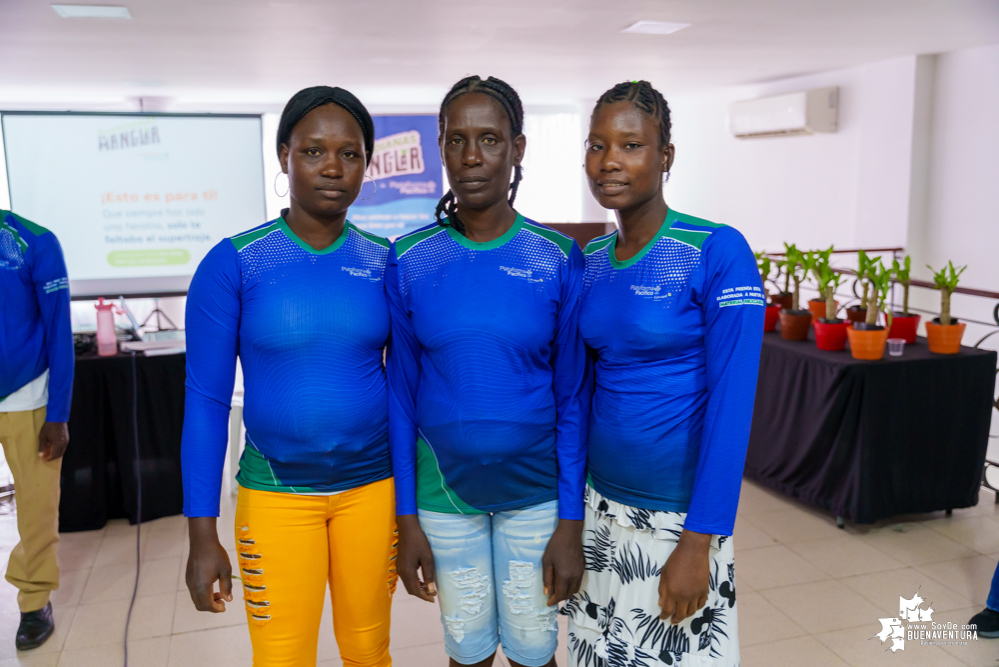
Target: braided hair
x,y
509,101
644,97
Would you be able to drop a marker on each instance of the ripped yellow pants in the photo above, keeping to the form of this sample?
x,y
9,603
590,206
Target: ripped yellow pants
x,y
289,547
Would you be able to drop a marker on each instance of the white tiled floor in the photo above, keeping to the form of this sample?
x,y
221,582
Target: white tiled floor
x,y
809,593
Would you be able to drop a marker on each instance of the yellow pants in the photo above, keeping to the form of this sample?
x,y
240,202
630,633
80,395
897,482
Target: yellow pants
x,y
33,568
290,545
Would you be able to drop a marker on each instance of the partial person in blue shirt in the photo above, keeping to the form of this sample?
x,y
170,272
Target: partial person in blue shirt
x,y
672,313
36,386
486,412
986,621
301,302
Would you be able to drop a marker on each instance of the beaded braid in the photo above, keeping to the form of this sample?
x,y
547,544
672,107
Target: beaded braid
x,y
509,100
642,96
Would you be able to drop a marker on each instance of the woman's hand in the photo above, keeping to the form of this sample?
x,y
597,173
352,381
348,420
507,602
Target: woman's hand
x,y
683,584
415,555
563,562
207,564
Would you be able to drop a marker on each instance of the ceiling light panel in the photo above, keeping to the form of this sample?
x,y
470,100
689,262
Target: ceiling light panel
x,y
655,27
92,11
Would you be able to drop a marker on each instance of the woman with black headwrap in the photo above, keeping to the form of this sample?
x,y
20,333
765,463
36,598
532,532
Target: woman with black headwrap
x,y
300,301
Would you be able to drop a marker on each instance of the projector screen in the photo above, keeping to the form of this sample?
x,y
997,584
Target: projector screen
x,y
137,200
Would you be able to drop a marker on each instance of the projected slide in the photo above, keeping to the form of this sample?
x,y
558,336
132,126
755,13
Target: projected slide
x,y
136,201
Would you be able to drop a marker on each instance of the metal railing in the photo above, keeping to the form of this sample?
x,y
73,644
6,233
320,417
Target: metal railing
x,y
852,296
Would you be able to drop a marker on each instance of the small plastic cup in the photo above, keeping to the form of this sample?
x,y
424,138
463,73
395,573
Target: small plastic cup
x,y
895,346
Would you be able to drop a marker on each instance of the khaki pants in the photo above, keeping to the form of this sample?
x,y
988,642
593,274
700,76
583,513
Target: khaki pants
x,y
33,567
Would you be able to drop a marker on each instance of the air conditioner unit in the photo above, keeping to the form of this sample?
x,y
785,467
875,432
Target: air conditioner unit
x,y
806,112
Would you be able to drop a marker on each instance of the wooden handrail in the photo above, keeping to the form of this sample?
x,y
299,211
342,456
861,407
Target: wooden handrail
x,y
957,290
847,251
929,285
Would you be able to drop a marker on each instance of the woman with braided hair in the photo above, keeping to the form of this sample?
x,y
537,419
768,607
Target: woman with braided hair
x,y
485,396
672,312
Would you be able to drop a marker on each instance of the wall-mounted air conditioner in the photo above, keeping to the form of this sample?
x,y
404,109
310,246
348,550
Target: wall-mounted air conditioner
x,y
806,112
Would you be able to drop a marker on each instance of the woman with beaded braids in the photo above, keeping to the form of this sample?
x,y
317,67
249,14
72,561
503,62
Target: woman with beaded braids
x,y
301,302
672,312
485,396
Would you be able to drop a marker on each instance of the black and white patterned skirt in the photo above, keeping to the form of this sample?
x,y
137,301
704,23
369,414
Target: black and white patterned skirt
x,y
614,619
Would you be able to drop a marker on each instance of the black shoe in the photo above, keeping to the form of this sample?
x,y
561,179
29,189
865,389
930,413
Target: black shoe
x,y
35,628
987,622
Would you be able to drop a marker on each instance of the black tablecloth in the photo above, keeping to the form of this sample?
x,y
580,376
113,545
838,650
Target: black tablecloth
x,y
98,470
867,440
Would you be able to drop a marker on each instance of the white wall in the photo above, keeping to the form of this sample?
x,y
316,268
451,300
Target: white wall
x,y
846,188
552,189
963,196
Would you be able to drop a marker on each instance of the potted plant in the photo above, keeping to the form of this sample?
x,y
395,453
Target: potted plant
x,y
783,299
817,306
858,312
868,338
772,312
944,333
903,324
830,331
794,321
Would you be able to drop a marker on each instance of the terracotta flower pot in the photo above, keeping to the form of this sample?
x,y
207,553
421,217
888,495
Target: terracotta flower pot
x,y
869,345
818,308
831,336
794,324
770,318
856,314
783,299
944,339
904,327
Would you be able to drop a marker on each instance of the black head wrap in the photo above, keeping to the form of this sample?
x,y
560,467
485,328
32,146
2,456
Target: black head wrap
x,y
307,99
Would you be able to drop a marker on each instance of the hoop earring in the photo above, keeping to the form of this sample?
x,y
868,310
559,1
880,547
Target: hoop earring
x,y
666,178
276,176
374,183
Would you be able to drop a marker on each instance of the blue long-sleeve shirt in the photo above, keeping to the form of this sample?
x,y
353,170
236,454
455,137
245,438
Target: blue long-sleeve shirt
x,y
36,333
676,331
486,411
309,327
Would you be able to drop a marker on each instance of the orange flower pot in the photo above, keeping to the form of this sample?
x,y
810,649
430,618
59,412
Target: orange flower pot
x,y
818,308
794,324
945,339
869,345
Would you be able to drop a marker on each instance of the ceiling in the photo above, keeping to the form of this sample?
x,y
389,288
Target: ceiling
x,y
252,54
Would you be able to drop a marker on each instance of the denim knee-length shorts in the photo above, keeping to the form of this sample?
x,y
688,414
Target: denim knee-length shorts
x,y
490,585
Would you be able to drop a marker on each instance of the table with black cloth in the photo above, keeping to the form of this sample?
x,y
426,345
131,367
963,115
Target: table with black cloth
x,y
98,469
868,440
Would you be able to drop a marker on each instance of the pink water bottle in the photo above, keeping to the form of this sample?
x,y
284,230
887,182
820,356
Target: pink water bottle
x,y
107,342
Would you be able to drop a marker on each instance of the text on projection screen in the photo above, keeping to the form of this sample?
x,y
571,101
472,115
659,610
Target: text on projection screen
x,y
136,200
